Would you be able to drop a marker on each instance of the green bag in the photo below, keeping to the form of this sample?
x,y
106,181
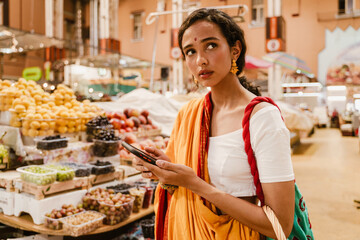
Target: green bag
x,y
302,226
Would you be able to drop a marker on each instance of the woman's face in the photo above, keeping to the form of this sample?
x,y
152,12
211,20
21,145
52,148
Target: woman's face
x,y
207,53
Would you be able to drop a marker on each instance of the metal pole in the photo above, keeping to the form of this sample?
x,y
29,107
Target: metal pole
x,y
149,19
154,55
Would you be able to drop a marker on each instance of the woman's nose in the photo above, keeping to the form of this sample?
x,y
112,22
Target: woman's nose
x,y
201,60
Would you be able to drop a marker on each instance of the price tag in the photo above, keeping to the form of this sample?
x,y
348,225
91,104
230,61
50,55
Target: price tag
x,y
18,185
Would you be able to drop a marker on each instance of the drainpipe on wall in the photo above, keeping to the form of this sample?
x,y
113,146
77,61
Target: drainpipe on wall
x,y
178,81
274,72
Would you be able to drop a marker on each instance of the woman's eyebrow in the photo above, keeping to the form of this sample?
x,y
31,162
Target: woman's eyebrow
x,y
203,40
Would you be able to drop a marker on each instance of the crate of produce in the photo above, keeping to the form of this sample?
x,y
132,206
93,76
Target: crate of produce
x,y
81,170
38,175
105,148
41,191
82,223
51,142
63,173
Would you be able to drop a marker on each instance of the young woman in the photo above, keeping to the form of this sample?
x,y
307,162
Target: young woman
x,y
216,198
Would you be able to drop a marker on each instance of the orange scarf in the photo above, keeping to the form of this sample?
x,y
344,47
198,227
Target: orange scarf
x,y
185,215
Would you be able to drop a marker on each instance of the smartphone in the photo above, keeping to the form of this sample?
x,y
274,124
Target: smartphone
x,y
137,152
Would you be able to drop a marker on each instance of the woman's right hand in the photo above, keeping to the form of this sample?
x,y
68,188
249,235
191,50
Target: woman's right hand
x,y
154,152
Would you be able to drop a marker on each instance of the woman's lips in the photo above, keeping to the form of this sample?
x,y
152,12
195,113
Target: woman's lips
x,y
205,74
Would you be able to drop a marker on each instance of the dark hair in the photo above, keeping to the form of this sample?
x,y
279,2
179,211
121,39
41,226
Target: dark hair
x,y
231,31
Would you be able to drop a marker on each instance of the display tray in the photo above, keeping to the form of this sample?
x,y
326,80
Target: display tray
x,y
25,222
41,191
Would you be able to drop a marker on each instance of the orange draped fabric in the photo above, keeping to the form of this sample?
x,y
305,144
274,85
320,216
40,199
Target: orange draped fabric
x,y
187,215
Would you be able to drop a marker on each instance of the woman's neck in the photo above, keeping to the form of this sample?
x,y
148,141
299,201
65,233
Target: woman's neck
x,y
229,93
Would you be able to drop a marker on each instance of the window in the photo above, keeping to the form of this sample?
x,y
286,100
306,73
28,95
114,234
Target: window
x,y
257,12
346,6
137,20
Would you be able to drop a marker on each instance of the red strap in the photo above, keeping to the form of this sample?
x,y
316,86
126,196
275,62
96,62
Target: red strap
x,y
248,149
160,221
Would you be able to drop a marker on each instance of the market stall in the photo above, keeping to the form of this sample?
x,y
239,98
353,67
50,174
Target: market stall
x,y
67,152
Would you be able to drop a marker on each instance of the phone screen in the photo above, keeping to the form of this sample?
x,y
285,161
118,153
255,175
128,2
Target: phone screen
x,y
139,153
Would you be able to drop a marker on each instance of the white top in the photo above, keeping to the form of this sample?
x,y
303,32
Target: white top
x,y
228,166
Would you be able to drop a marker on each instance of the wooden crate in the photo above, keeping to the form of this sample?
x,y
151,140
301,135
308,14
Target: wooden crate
x,y
7,180
41,191
103,178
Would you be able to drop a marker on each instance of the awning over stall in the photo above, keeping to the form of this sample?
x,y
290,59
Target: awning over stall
x,y
288,61
15,40
253,62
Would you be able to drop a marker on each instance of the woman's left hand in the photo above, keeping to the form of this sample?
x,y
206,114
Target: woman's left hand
x,y
174,174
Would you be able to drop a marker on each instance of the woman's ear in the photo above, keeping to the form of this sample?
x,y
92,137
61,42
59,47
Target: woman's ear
x,y
236,49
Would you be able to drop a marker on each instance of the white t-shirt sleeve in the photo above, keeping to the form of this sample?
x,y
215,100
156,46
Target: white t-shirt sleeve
x,y
270,140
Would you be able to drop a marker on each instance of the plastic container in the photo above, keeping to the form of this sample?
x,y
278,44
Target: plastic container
x,y
44,177
81,170
118,212
82,223
121,188
63,173
139,194
91,131
52,223
98,169
38,127
148,196
90,203
147,227
102,148
51,144
149,191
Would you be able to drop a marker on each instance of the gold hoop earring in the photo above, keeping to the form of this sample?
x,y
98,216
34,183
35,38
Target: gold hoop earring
x,y
234,69
195,81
